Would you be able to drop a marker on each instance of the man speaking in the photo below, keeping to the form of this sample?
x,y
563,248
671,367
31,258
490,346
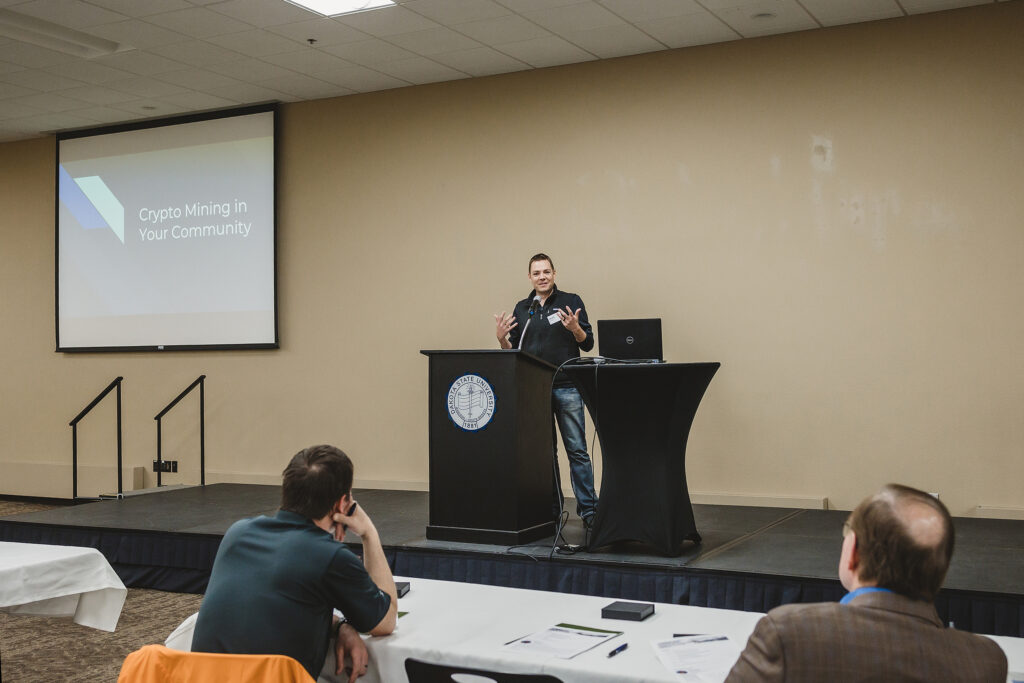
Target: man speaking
x,y
552,325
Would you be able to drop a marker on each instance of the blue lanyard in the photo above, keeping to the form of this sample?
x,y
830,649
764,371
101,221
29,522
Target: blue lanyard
x,y
862,591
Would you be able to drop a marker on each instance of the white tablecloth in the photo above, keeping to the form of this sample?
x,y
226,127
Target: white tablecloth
x,y
467,624
60,581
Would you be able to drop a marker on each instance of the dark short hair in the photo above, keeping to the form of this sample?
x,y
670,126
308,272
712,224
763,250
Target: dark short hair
x,y
889,554
539,257
314,481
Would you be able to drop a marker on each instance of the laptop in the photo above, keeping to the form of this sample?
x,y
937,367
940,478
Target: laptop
x,y
637,339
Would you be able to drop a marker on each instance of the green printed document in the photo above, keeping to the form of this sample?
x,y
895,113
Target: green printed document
x,y
562,640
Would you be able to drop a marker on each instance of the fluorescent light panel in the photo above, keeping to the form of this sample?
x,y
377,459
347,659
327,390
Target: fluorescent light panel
x,y
47,34
333,8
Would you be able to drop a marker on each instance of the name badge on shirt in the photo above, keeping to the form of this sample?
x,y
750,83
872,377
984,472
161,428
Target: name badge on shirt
x,y
554,318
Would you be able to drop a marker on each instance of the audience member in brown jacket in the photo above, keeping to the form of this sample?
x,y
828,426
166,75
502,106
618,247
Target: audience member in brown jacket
x,y
896,549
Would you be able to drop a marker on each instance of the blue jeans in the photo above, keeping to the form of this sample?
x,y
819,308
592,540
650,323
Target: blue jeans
x,y
568,408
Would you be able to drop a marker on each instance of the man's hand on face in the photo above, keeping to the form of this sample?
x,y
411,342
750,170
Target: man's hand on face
x,y
349,643
357,520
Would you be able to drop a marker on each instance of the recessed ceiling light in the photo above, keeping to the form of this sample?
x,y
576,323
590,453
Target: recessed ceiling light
x,y
763,15
333,8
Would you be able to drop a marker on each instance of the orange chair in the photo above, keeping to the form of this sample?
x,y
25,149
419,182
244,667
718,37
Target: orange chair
x,y
159,664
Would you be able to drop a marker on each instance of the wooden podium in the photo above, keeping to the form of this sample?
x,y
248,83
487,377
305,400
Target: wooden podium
x,y
491,447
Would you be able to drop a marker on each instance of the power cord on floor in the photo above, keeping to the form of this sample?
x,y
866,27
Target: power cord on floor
x,y
563,548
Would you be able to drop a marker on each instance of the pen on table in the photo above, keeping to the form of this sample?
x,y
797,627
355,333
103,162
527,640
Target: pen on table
x,y
619,649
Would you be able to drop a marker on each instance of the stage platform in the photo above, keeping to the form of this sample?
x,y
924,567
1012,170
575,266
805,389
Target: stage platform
x,y
751,558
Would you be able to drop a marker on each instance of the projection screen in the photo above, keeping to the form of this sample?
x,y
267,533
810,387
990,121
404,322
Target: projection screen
x,y
165,235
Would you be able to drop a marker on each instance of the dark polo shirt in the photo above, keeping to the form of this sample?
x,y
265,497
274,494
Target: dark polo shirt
x,y
546,336
275,583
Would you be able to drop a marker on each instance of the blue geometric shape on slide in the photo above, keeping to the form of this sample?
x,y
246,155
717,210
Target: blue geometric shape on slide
x,y
105,202
76,201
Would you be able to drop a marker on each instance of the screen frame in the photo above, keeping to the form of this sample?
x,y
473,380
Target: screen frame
x,y
271,107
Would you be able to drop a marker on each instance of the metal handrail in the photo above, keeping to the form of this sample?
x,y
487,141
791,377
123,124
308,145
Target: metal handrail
x,y
74,436
201,381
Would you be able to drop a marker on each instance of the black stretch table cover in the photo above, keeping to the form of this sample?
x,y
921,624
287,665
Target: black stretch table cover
x,y
643,413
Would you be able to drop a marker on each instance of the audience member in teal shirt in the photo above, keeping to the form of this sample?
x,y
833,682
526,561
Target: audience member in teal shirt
x,y
276,580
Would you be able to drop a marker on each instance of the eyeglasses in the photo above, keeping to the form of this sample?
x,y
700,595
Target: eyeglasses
x,y
847,529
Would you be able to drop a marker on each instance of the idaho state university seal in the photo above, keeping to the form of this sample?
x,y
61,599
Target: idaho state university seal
x,y
471,402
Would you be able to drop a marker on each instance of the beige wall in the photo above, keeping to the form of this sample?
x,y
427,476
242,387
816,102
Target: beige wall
x,y
835,216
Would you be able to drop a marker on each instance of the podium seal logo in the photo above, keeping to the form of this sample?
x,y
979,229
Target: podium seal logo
x,y
471,402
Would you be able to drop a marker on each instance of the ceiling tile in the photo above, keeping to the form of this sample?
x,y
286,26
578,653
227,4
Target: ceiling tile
x,y
421,70
451,12
30,56
198,101
547,51
922,6
40,81
51,123
151,108
387,21
510,29
97,95
71,13
370,52
579,17
251,70
9,90
715,6
7,67
766,17
325,31
306,87
145,87
141,8
197,53
257,49
644,10
309,62
614,41
688,30
433,41
247,92
49,102
837,12
13,110
89,72
140,62
257,43
533,5
262,13
361,79
137,33
199,22
104,114
481,61
198,79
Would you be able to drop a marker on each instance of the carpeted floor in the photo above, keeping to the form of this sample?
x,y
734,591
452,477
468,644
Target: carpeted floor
x,y
8,507
39,649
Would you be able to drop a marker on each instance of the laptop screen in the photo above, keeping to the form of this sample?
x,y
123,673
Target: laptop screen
x,y
634,339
